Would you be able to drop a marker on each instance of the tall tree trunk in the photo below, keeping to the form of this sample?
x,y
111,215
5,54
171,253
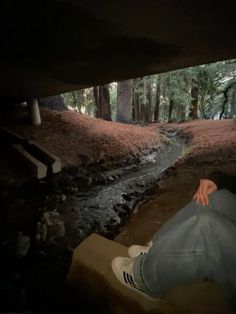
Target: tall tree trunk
x,y
74,99
226,99
233,102
135,100
224,103
171,107
223,107
104,102
157,103
194,103
96,100
149,100
124,102
135,103
143,100
180,113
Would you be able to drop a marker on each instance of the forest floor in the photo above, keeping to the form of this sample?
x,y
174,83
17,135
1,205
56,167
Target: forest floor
x,y
91,151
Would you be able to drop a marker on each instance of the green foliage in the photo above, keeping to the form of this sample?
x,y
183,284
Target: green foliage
x,y
81,101
175,87
211,81
215,84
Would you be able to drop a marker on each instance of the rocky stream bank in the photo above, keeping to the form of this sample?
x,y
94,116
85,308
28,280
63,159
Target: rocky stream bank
x,y
43,220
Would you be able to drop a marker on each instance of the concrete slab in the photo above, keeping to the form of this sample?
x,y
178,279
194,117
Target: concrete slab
x,y
91,276
47,157
31,147
39,170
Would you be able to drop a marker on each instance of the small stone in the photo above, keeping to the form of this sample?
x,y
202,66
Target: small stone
x,y
44,233
63,197
22,245
49,217
57,230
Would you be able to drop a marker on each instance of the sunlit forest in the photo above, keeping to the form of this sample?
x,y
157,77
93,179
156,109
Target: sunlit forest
x,y
202,92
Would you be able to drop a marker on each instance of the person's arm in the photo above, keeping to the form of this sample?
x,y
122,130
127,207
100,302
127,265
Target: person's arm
x,y
215,180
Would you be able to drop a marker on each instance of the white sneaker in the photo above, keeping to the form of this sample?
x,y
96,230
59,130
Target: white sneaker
x,y
123,270
136,250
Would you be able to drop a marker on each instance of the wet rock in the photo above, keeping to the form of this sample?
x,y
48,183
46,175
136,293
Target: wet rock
x,y
51,226
102,177
127,197
41,234
74,189
63,181
63,197
22,245
57,230
49,217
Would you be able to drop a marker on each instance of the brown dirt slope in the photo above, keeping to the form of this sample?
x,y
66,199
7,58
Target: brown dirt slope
x,y
209,140
70,135
78,139
214,139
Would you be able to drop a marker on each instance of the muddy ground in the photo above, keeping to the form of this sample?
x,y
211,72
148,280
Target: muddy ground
x,y
43,220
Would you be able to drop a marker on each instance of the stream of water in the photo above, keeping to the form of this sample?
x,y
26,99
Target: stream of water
x,y
103,208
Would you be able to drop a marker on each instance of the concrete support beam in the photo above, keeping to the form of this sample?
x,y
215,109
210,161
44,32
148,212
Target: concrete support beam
x,y
34,111
33,149
45,156
91,277
38,168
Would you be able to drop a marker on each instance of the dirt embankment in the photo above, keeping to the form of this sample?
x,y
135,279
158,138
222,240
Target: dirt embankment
x,y
79,140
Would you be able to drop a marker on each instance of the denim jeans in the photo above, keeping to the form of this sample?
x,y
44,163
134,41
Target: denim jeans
x,y
196,244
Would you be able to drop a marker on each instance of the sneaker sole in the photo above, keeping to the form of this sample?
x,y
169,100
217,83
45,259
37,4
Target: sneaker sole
x,y
127,285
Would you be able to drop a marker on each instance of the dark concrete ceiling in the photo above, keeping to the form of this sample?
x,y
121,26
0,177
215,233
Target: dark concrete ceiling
x,y
53,46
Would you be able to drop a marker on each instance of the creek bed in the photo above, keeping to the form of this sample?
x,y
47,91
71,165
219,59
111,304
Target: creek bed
x,y
103,209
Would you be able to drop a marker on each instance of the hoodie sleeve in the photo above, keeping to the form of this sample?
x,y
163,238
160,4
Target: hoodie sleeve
x,y
223,181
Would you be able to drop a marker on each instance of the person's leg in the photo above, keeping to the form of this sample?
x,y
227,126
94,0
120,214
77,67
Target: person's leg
x,y
200,247
221,201
224,202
